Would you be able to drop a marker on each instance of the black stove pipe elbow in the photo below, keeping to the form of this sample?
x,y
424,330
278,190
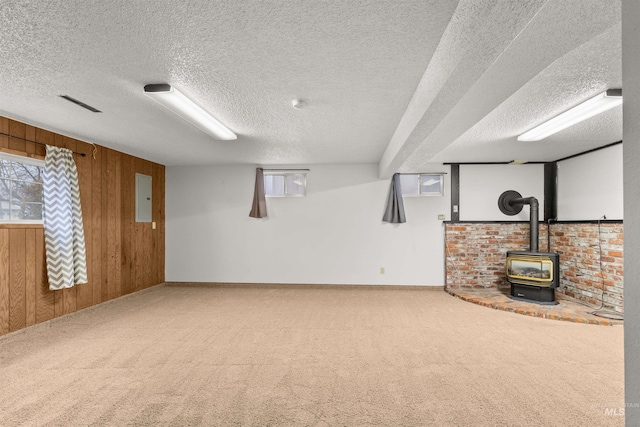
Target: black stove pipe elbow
x,y
511,202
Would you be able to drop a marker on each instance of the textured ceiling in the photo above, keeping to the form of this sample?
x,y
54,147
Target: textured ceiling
x,y
400,83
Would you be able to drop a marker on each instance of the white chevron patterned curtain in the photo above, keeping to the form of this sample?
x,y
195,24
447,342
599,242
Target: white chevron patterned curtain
x,y
63,229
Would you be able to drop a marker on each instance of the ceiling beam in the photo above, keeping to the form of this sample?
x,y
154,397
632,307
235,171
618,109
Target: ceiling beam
x,y
486,55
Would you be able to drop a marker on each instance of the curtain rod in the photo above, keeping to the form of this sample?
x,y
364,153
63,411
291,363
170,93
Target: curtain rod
x,y
36,142
421,173
281,169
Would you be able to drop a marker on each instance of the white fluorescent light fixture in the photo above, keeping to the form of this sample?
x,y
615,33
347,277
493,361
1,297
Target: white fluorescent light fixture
x,y
179,104
592,107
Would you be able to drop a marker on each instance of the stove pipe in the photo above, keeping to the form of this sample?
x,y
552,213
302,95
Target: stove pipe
x,y
533,220
511,202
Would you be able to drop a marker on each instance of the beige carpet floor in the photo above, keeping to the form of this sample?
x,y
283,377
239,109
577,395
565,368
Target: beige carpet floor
x,y
309,356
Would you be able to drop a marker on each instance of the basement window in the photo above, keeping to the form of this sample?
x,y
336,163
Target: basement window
x,y
285,184
423,184
21,199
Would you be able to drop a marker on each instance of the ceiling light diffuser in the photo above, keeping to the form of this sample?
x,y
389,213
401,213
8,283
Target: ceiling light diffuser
x,y
592,107
179,104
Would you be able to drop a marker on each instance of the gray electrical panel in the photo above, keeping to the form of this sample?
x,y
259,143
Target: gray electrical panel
x,y
143,198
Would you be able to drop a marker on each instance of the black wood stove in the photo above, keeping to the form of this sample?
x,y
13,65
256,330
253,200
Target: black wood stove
x,y
533,275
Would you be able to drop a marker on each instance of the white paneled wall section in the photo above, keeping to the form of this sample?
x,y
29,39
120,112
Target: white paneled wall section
x,y
482,185
334,235
590,186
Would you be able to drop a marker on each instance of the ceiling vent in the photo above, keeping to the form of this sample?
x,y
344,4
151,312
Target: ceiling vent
x,y
80,103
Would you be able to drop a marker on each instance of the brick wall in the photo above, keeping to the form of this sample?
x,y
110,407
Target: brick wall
x,y
580,275
476,252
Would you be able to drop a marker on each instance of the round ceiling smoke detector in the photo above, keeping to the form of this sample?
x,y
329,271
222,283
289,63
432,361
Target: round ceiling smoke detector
x,y
299,103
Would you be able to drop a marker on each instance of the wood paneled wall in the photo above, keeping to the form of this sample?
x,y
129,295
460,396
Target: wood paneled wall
x,y
123,256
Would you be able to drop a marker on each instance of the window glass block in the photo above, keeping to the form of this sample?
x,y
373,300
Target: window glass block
x,y
431,184
274,185
5,168
410,184
295,184
21,197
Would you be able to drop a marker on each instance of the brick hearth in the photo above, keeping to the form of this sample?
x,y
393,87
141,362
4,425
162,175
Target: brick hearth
x,y
568,309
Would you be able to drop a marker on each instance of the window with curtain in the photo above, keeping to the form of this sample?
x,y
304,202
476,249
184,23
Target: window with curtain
x,y
422,184
285,184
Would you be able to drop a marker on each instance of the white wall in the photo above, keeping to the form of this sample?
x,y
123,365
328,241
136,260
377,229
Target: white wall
x,y
482,185
590,186
335,235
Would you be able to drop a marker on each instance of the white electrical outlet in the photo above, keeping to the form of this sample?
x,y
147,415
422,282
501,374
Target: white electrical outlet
x,y
442,216
381,270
